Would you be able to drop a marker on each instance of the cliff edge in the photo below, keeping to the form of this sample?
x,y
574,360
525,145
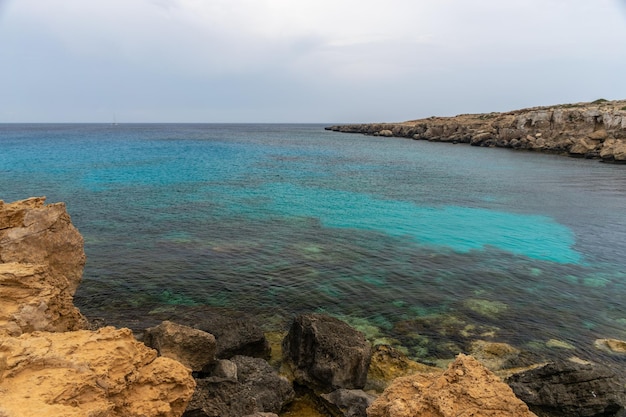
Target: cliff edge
x,y
50,365
588,130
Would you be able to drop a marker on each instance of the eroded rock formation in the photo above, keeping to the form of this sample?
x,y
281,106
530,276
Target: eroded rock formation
x,y
41,265
84,373
465,388
47,365
589,130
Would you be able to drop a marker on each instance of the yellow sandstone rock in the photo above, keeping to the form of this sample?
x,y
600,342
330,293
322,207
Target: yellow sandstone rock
x,y
465,388
84,373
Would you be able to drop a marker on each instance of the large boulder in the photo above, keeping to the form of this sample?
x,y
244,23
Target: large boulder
x,y
41,264
84,373
570,388
254,388
326,354
465,388
191,347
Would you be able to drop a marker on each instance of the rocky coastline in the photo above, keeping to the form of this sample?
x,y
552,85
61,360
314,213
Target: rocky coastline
x,y
209,362
595,130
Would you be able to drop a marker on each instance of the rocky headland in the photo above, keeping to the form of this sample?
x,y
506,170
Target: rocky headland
x,y
207,362
586,130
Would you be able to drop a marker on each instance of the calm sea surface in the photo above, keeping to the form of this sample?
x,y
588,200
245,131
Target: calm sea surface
x,y
425,245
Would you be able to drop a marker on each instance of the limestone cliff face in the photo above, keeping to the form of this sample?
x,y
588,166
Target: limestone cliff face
x,y
41,265
589,130
48,365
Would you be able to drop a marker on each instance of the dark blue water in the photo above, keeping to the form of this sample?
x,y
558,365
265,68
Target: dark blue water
x,y
424,245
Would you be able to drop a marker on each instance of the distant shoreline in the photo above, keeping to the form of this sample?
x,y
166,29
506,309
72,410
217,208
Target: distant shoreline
x,y
595,130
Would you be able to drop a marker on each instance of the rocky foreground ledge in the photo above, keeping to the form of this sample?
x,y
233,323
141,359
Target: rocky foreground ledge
x,y
220,365
587,130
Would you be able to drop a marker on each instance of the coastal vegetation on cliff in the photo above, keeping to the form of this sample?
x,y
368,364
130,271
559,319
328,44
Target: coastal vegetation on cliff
x,y
588,130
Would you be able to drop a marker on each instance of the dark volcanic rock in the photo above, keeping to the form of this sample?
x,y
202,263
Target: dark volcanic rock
x,y
348,402
234,335
326,354
192,347
256,389
571,389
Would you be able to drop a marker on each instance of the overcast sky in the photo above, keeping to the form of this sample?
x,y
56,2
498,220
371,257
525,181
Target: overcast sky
x,y
326,61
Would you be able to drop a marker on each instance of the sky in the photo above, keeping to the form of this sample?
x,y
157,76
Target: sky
x,y
303,61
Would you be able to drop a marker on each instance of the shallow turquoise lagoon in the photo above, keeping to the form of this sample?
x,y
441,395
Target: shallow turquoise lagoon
x,y
419,244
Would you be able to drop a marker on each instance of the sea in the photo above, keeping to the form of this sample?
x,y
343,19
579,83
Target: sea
x,y
425,246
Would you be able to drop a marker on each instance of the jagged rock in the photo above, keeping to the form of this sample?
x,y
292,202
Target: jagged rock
x,y
583,146
191,347
582,129
614,150
33,299
84,373
257,388
567,388
465,388
34,233
41,264
326,354
348,402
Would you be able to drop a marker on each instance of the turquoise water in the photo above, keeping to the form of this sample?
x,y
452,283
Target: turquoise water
x,y
424,245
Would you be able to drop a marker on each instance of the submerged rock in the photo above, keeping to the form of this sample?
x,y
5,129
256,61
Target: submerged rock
x,y
84,373
495,356
388,364
326,354
465,388
611,345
